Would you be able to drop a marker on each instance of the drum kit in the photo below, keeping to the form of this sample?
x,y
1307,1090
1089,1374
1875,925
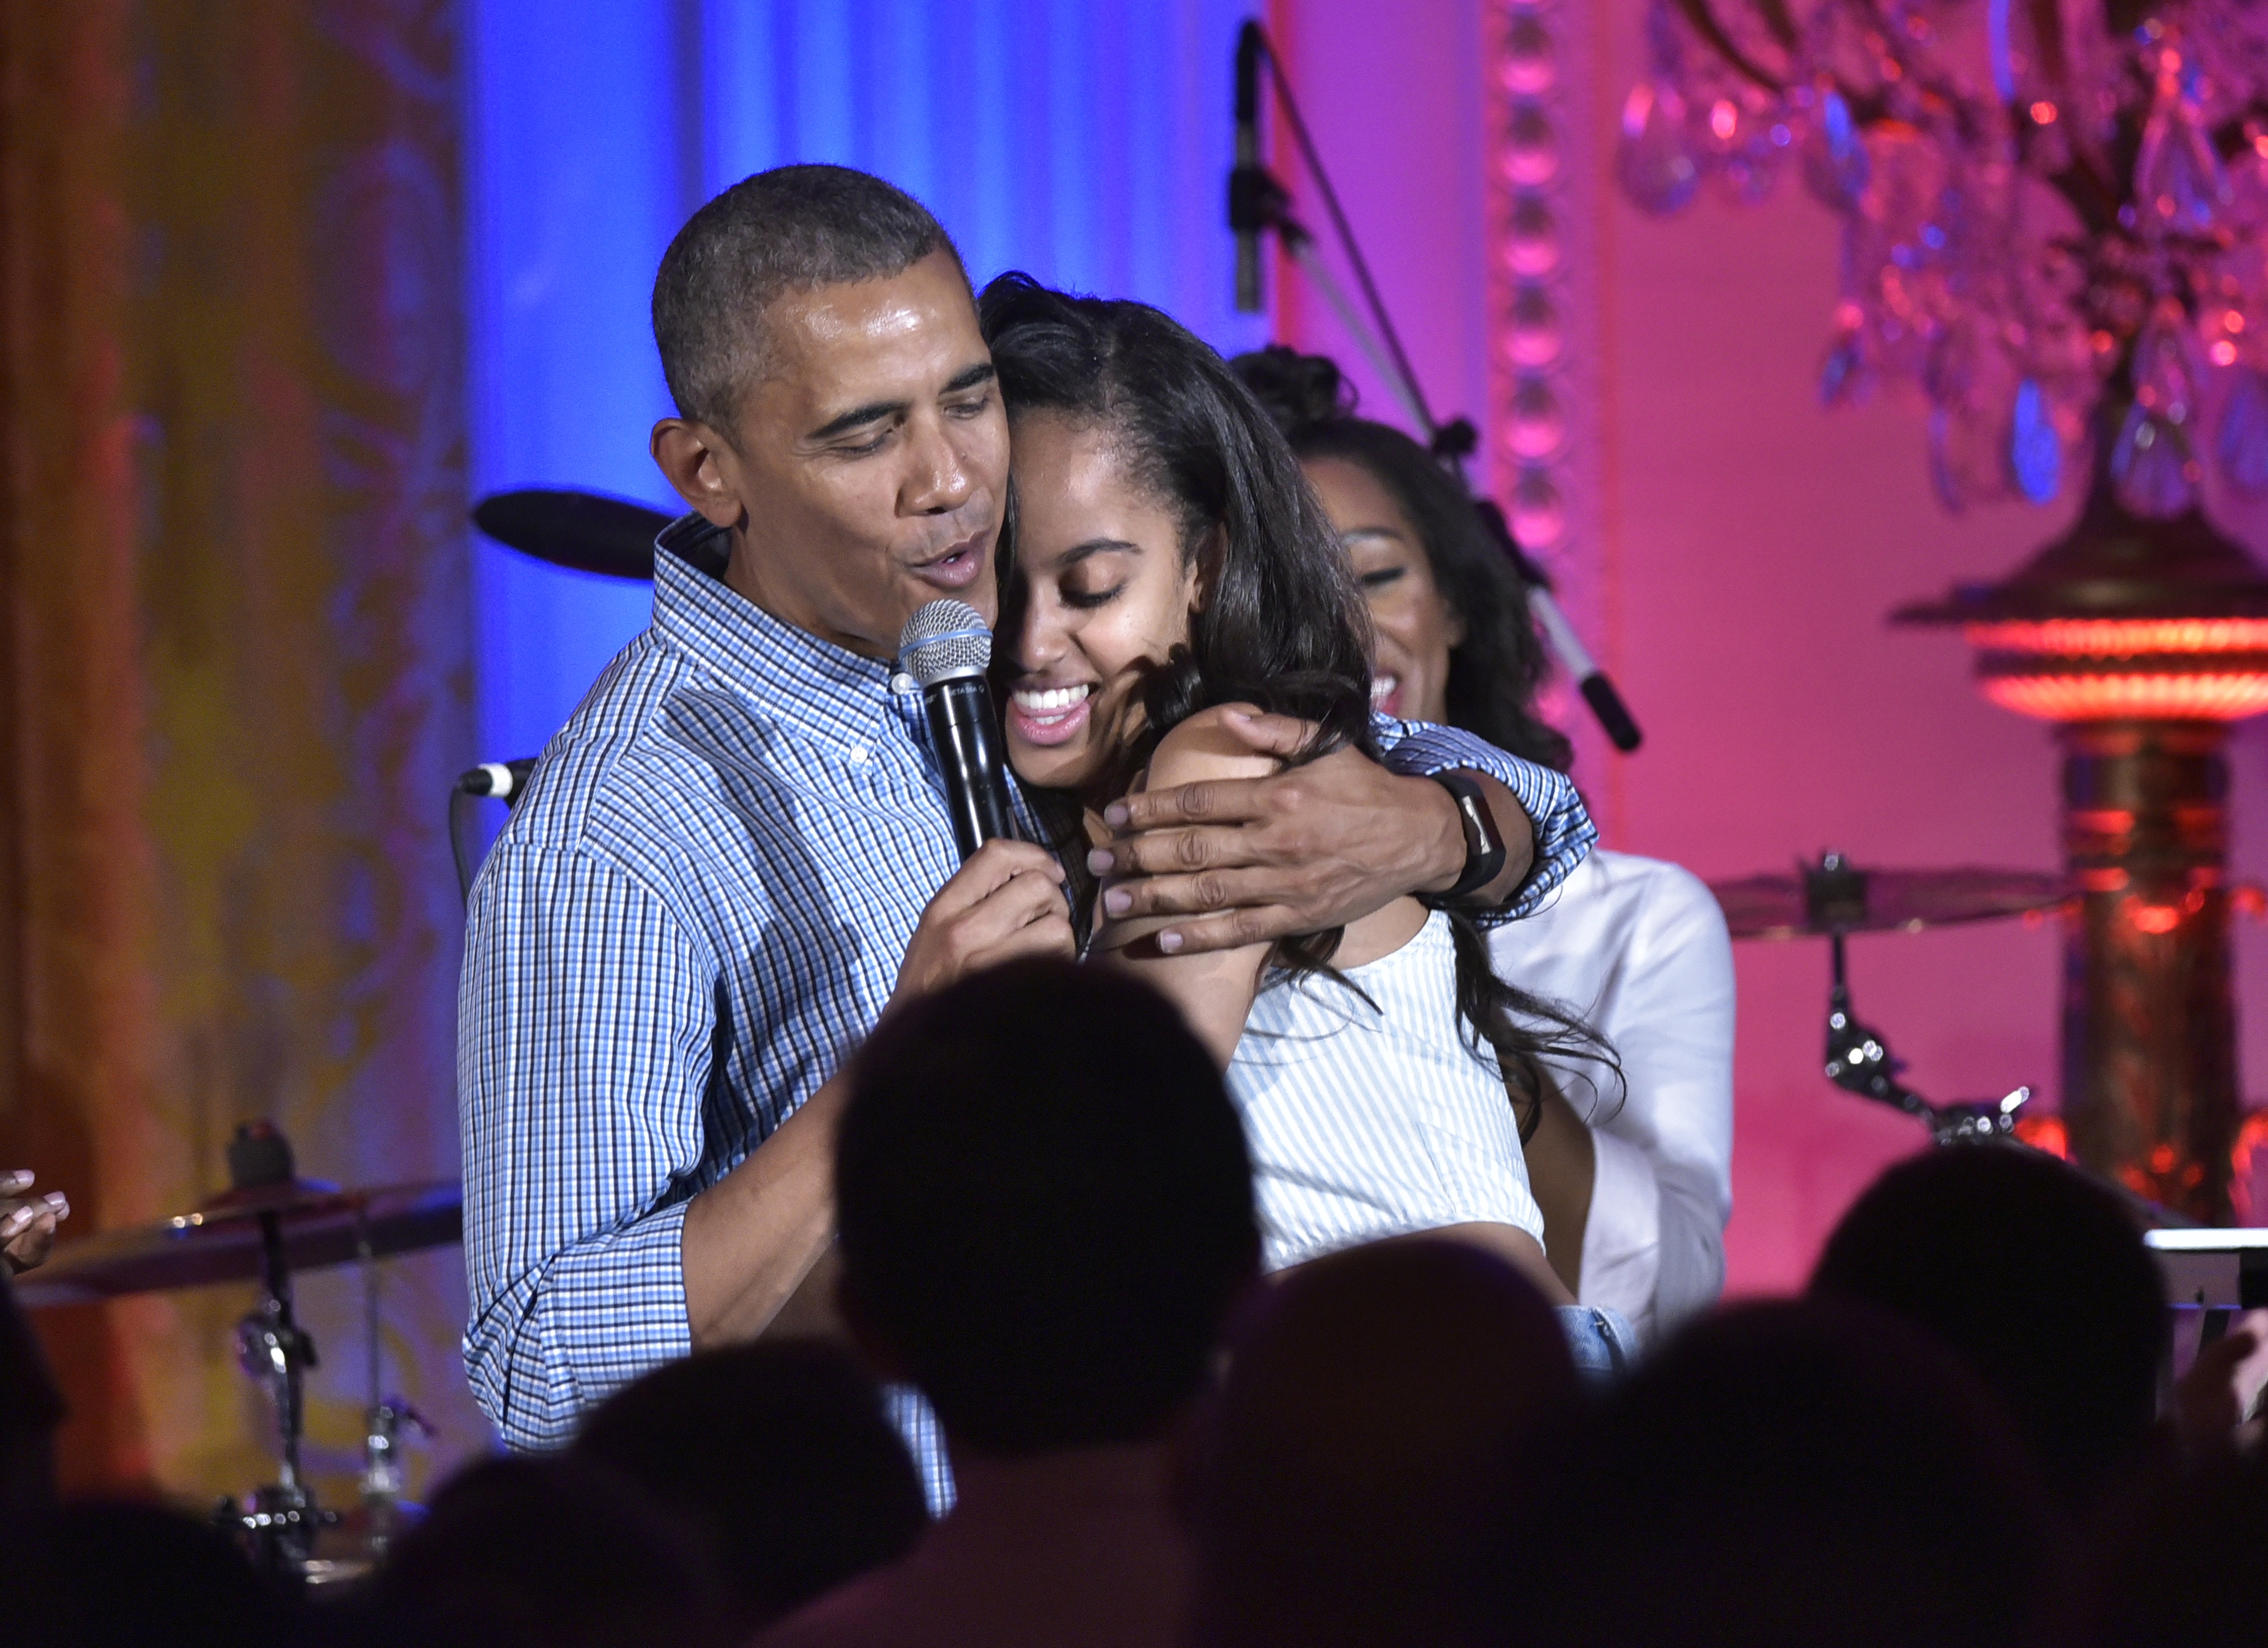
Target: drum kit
x,y
268,1226
271,1225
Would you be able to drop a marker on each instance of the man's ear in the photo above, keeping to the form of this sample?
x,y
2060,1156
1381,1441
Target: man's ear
x,y
872,1345
687,452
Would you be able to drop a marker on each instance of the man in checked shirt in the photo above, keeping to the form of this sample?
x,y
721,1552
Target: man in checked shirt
x,y
735,856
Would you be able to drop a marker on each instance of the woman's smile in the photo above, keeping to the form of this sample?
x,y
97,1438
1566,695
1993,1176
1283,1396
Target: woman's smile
x,y
1048,715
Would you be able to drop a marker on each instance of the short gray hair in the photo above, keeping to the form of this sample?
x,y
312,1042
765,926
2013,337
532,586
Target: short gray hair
x,y
791,229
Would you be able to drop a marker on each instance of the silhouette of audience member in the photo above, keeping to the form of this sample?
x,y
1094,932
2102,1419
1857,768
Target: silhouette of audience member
x,y
122,1574
2178,1566
1044,1210
2036,1278
1792,1474
30,1408
781,1455
542,1552
1371,1418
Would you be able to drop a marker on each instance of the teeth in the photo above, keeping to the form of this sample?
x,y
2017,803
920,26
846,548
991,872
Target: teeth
x,y
1381,685
1052,698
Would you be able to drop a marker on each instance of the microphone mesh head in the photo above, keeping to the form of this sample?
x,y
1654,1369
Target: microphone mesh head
x,y
945,638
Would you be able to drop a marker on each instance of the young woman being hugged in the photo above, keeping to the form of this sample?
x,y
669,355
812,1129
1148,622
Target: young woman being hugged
x,y
1172,572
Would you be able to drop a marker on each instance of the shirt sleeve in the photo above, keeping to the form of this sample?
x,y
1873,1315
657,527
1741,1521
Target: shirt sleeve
x,y
1564,831
1672,1026
586,1014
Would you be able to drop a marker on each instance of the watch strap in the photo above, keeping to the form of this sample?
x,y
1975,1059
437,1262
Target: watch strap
x,y
1484,848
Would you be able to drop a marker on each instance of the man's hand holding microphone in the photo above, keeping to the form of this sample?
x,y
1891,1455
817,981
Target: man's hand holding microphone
x,y
1007,899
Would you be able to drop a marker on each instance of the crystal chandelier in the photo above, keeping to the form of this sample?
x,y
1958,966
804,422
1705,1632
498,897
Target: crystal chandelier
x,y
2055,217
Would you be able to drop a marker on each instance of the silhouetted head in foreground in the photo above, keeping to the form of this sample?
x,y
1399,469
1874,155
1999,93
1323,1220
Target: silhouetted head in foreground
x,y
1784,1476
780,1454
1044,1207
122,1574
2178,1566
550,1552
2033,1274
1372,1416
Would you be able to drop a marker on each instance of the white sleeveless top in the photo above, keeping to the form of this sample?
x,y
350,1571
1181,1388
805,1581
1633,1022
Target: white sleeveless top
x,y
1370,1121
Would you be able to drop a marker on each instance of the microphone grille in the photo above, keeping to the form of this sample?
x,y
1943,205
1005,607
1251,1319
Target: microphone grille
x,y
945,638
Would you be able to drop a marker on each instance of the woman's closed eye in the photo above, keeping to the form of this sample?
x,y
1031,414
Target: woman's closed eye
x,y
1383,576
1087,600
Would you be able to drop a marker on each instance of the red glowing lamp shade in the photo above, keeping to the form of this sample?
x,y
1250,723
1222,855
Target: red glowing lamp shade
x,y
2092,669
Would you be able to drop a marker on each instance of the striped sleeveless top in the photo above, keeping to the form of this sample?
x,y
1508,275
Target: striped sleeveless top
x,y
1373,1121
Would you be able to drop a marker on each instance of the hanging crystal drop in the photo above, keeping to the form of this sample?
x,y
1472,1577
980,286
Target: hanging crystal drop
x,y
2242,440
1836,164
2165,374
2248,180
2179,180
2034,447
1655,161
1843,380
2151,468
1944,473
1968,451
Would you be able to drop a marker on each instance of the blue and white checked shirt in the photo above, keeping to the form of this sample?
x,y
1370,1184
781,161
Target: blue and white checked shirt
x,y
695,912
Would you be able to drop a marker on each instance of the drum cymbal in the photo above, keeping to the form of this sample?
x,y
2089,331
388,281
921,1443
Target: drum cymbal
x,y
587,532
320,1224
1835,897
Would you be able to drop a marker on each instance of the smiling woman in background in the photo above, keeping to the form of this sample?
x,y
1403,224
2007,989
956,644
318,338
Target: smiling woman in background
x,y
1635,1195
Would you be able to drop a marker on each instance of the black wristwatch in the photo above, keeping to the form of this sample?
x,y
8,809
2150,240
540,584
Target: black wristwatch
x,y
1485,853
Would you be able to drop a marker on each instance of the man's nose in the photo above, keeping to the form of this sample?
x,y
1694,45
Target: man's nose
x,y
937,480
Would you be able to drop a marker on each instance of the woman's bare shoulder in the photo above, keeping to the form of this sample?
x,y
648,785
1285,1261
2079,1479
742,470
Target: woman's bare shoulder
x,y
1204,746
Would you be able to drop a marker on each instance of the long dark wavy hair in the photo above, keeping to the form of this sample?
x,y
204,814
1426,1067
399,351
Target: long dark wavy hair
x,y
1284,627
1495,670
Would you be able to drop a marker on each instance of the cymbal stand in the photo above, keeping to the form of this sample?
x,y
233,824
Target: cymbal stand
x,y
1859,1062
383,1419
282,1517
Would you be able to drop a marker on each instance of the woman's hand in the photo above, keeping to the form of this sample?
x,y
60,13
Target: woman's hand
x,y
27,1223
1317,846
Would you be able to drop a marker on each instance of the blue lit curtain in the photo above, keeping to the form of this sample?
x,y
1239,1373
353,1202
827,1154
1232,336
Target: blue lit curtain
x,y
1087,143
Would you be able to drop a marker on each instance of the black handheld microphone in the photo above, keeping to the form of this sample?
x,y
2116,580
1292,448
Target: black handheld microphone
x,y
947,647
1246,180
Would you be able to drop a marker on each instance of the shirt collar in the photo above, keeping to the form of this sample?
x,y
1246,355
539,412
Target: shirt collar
x,y
821,688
